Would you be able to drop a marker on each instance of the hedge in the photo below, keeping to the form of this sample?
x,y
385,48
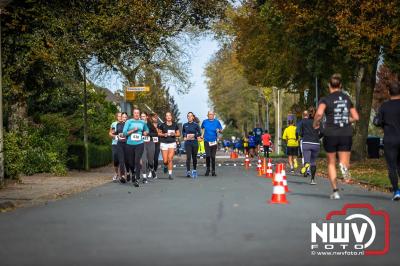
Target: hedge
x,y
99,155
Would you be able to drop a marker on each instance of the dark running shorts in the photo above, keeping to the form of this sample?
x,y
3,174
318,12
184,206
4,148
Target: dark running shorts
x,y
337,143
292,151
115,155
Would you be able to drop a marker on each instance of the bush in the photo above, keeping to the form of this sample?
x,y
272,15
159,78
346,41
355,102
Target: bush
x,y
14,157
38,148
99,155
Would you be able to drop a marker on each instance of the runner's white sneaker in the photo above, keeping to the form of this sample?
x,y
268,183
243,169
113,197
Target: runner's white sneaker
x,y
115,178
345,172
335,195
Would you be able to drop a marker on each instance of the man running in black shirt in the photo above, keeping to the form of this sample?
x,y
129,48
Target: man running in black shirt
x,y
388,117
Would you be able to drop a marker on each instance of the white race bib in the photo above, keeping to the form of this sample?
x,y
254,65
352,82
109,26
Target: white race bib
x,y
146,138
212,143
136,137
190,136
170,132
155,139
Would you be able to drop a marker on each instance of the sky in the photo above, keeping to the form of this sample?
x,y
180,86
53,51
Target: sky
x,y
196,100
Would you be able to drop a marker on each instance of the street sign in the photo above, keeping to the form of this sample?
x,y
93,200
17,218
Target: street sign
x,y
130,92
138,89
130,96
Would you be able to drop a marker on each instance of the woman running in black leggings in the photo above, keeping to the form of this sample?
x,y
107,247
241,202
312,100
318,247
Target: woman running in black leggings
x,y
191,132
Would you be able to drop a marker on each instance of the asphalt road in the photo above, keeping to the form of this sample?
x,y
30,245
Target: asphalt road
x,y
222,220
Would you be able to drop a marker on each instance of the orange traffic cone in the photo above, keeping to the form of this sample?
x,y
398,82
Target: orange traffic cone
x,y
264,166
259,167
278,194
236,155
258,164
247,162
232,155
285,183
269,169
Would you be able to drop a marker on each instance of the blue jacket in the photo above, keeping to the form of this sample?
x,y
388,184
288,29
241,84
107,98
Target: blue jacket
x,y
191,128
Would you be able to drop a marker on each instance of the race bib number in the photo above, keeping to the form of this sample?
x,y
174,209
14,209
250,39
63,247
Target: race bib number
x,y
212,143
155,139
146,138
190,136
136,137
171,132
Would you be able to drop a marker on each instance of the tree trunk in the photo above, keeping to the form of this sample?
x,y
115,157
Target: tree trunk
x,y
365,84
18,117
260,113
277,111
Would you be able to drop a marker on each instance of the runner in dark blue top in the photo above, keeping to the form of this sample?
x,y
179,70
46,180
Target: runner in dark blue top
x,y
211,127
252,144
191,131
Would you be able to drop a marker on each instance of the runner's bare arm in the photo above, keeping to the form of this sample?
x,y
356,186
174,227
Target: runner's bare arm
x,y
354,115
110,133
318,115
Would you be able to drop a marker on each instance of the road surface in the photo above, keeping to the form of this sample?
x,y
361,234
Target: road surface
x,y
222,220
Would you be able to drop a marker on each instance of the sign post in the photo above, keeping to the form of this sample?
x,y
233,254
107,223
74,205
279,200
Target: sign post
x,y
130,92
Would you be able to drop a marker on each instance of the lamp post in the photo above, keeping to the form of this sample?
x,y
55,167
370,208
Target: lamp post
x,y
85,121
1,117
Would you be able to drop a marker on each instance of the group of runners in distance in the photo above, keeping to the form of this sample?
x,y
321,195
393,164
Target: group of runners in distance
x,y
137,141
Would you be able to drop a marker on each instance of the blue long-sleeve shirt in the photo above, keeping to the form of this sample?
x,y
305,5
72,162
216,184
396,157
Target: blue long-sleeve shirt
x,y
136,137
191,128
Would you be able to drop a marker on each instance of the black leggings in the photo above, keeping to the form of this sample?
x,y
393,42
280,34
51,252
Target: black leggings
x,y
191,149
123,160
134,154
266,151
156,155
392,155
211,151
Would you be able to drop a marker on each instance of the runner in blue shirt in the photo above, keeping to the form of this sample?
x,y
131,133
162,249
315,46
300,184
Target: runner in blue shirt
x,y
252,144
211,127
134,129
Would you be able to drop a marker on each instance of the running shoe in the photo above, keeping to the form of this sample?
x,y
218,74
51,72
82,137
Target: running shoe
x,y
135,183
304,169
292,171
115,178
165,169
345,172
170,177
295,163
313,182
188,174
154,174
213,173
207,172
194,174
122,180
335,195
150,175
396,195
145,181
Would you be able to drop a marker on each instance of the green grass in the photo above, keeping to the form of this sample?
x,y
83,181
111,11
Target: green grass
x,y
372,172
